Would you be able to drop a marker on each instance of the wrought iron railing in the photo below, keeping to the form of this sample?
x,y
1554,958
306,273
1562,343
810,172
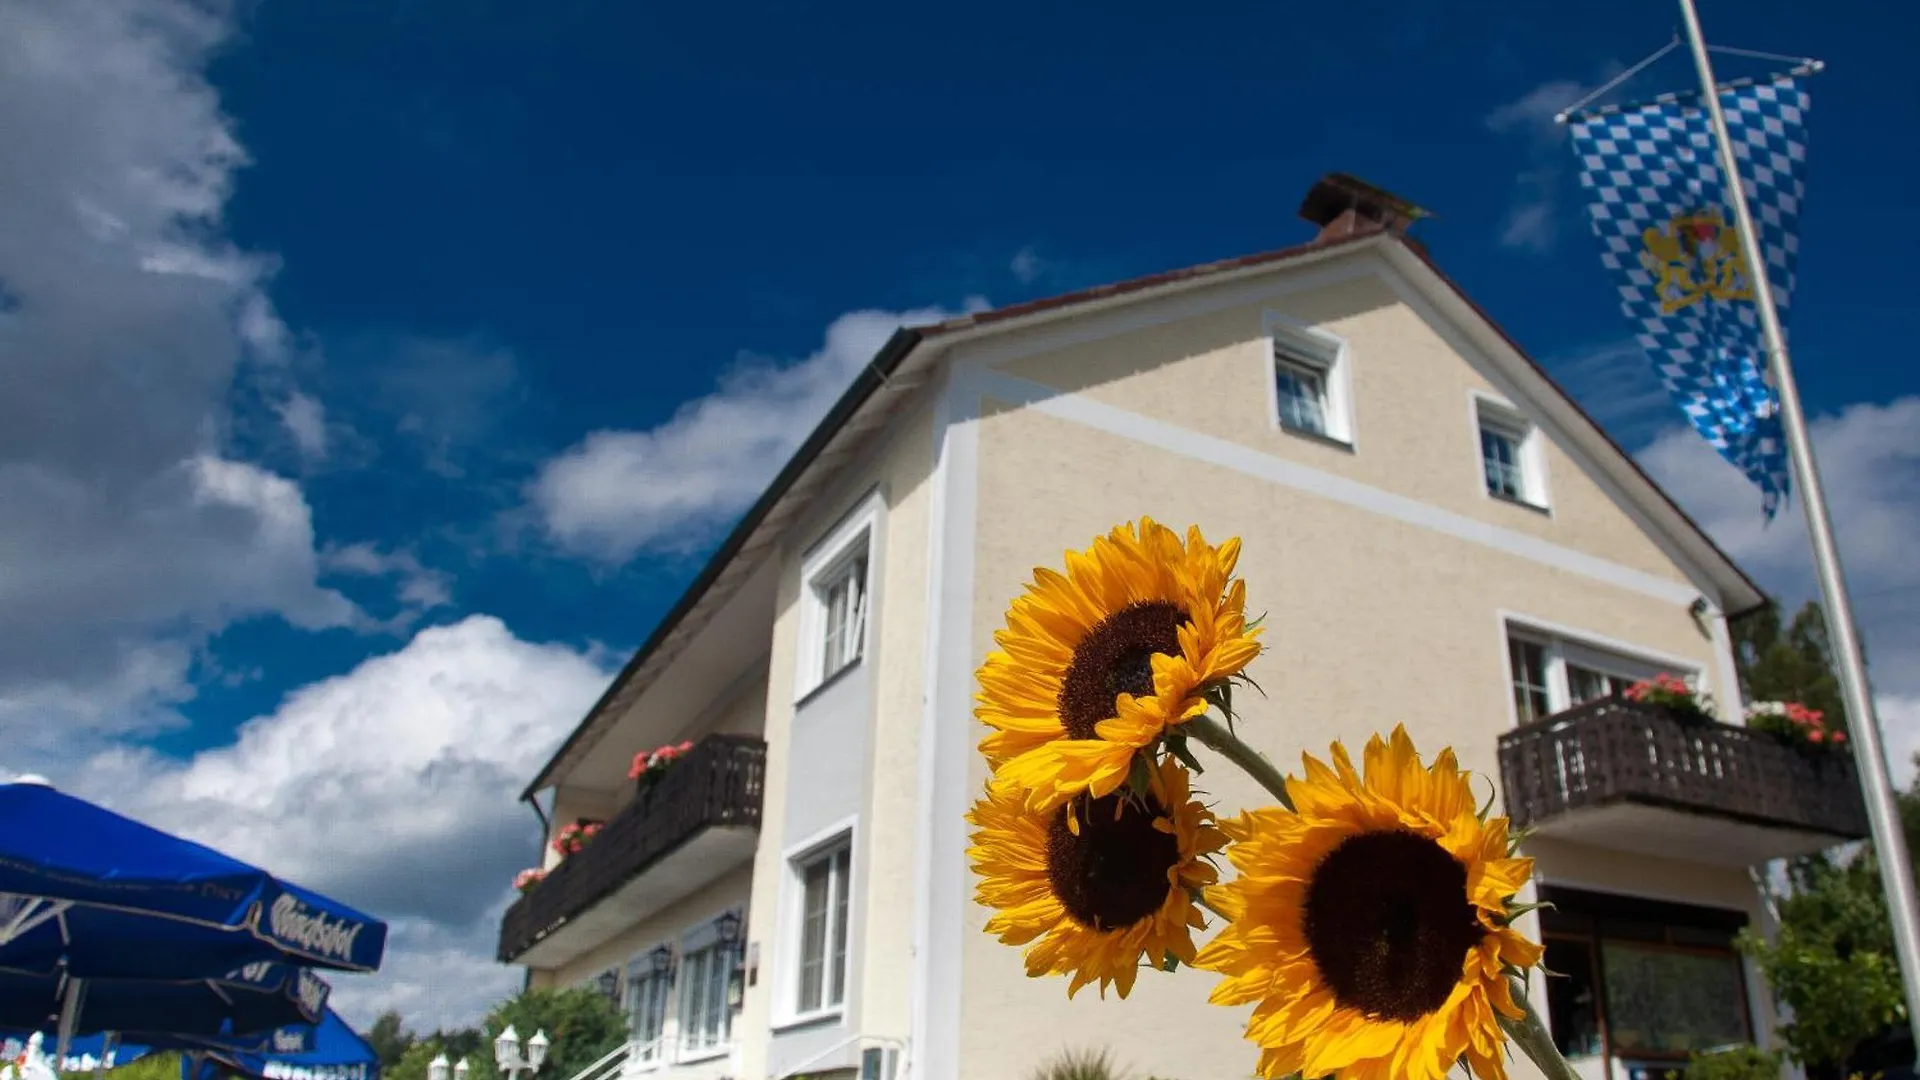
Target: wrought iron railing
x,y
718,783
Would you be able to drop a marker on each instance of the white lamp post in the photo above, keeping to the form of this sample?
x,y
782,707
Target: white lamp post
x,y
506,1053
460,1069
437,1068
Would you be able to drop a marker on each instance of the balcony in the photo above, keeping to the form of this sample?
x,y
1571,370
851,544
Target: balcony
x,y
1631,777
698,821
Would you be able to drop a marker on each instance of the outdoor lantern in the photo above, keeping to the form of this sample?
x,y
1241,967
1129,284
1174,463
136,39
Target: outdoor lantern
x,y
537,1050
506,1050
728,927
460,1069
437,1068
662,957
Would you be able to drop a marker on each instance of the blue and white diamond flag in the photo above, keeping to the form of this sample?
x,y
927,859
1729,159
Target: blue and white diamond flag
x,y
1659,206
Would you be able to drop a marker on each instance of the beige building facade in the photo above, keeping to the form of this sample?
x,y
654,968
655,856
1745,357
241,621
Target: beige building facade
x,y
1439,538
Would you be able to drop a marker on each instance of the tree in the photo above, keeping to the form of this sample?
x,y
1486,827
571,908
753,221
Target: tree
x,y
151,1067
1831,961
582,1027
581,1024
1794,663
389,1039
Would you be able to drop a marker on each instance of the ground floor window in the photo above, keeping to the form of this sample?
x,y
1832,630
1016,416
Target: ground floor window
x,y
1641,979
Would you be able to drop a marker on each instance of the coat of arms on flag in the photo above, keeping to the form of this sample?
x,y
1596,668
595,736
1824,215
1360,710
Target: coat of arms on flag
x,y
1659,207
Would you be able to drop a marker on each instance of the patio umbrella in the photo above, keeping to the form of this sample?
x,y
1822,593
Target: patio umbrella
x,y
253,1001
337,1053
102,895
103,1051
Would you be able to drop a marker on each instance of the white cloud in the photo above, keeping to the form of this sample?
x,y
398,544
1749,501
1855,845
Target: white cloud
x,y
306,420
130,534
1027,266
1870,464
392,787
1533,221
671,486
420,588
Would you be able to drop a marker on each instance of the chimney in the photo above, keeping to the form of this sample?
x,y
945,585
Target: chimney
x,y
1343,205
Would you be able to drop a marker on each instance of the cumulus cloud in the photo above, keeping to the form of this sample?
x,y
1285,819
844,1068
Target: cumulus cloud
x,y
1870,464
130,532
418,587
392,787
1027,266
670,487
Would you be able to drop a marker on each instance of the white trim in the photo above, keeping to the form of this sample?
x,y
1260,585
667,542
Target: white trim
x,y
1329,356
1206,448
1563,643
1486,410
1727,693
824,842
946,737
858,529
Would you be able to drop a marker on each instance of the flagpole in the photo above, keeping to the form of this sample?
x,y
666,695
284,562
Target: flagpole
x,y
1882,811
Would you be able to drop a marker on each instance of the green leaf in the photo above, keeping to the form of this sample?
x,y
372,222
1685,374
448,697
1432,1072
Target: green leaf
x,y
1140,776
1177,745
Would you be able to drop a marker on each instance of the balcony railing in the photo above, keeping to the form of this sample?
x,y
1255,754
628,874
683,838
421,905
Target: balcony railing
x,y
1616,751
718,783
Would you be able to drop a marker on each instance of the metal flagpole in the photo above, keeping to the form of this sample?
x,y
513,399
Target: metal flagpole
x,y
1883,812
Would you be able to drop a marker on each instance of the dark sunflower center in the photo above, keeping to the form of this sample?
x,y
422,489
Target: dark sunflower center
x,y
1389,924
1115,658
1114,872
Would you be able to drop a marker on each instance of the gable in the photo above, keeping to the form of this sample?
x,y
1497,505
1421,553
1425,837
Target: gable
x,y
1415,377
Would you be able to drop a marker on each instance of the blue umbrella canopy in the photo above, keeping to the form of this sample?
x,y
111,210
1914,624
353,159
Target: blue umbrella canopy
x,y
253,1001
106,896
337,1053
84,1053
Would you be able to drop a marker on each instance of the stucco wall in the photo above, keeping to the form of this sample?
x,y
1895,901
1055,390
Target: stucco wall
x,y
1373,620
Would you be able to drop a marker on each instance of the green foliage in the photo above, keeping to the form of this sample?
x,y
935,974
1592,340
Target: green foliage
x,y
581,1023
1832,961
1734,1063
1078,1065
1791,663
389,1039
151,1067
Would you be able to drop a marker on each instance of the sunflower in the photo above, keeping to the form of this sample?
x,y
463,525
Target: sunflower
x,y
1096,884
1101,660
1370,925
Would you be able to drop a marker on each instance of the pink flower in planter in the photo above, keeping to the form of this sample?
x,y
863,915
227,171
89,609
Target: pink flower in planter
x,y
525,880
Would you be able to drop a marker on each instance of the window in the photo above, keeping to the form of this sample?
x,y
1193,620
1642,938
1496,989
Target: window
x,y
706,1020
1303,396
1510,456
1310,381
1642,978
836,598
647,987
823,930
1531,699
1550,674
842,596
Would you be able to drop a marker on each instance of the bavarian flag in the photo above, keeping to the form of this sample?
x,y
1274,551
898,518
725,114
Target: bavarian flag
x,y
1658,202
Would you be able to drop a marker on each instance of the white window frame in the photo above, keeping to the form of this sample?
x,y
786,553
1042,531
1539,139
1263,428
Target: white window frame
x,y
1294,344
1563,645
850,542
703,939
1487,411
830,843
642,963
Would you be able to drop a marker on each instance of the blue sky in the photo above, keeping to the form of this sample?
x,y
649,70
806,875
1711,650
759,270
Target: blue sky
x,y
373,349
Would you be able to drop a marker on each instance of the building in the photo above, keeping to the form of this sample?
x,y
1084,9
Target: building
x,y
1438,536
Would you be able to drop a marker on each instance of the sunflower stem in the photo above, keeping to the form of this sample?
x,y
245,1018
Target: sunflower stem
x,y
1215,737
1531,1035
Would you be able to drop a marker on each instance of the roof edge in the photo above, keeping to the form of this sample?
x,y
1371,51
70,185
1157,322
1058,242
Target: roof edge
x,y
872,377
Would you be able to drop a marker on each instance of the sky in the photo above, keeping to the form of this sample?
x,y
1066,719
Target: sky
x,y
375,374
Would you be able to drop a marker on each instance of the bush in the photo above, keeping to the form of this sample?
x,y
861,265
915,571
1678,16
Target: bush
x,y
1734,1063
1079,1065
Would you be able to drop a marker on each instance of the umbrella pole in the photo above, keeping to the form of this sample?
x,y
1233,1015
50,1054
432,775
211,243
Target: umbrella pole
x,y
69,1015
109,1045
